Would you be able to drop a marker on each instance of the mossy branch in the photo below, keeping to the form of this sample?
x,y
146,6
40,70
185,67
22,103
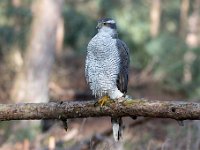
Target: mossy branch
x,y
179,110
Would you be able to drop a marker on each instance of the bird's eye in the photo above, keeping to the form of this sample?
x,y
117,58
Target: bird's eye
x,y
104,24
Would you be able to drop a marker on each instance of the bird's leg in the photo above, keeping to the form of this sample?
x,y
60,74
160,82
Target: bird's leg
x,y
103,100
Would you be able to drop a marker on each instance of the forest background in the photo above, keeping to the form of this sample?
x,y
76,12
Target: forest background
x,y
42,52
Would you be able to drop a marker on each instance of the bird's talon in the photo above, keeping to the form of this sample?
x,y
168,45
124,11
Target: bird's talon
x,y
102,101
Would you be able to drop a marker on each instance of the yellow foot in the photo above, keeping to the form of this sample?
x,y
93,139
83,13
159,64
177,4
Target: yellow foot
x,y
103,100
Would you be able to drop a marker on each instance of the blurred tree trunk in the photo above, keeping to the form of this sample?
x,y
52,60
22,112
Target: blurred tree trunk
x,y
155,14
60,37
192,40
31,83
184,9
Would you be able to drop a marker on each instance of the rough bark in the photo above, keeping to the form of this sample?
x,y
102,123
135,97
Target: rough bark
x,y
178,110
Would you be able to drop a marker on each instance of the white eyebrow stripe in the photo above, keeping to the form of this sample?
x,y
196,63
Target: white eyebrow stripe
x,y
110,21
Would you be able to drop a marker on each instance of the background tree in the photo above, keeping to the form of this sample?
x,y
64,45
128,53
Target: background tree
x,y
32,82
155,14
165,59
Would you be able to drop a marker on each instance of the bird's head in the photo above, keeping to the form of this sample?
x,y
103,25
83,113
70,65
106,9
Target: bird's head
x,y
107,25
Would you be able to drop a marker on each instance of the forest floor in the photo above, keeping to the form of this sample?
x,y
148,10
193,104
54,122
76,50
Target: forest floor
x,y
68,83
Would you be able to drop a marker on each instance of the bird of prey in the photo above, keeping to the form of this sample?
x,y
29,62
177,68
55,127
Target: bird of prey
x,y
106,68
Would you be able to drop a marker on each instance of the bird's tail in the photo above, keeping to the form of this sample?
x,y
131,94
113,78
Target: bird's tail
x,y
117,128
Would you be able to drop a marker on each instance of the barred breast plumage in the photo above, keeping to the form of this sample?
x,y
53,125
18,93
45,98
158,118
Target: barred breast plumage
x,y
102,63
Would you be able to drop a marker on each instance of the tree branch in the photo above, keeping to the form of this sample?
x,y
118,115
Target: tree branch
x,y
178,110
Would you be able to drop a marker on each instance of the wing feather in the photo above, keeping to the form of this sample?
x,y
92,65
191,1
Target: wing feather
x,y
122,81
